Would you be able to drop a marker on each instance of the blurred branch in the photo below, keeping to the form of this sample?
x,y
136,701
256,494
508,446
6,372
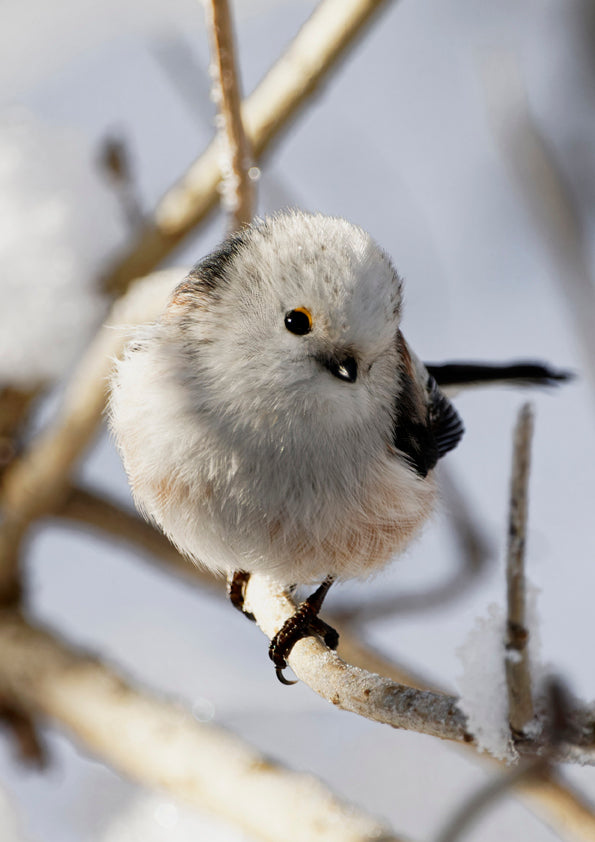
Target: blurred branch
x,y
546,193
518,675
160,745
237,188
473,808
88,509
38,482
319,45
114,160
474,552
14,407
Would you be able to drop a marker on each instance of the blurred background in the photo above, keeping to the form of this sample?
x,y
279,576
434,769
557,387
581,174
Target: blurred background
x,y
461,135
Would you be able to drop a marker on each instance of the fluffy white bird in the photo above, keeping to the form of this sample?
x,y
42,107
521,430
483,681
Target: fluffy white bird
x,y
275,420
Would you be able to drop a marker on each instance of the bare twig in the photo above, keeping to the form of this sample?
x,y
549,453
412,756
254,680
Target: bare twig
x,y
161,745
518,675
237,186
38,482
320,44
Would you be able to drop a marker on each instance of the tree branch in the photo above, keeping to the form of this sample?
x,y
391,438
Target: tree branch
x,y
317,48
518,675
237,186
161,745
559,803
37,483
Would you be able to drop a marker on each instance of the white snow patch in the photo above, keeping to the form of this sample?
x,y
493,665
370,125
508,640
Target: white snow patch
x,y
482,685
58,223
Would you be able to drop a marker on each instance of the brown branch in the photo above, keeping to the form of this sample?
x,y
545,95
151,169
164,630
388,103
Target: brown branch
x,y
518,675
161,745
317,48
88,509
237,188
38,482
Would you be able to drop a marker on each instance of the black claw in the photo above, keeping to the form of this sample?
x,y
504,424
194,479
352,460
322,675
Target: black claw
x,y
304,623
281,677
236,586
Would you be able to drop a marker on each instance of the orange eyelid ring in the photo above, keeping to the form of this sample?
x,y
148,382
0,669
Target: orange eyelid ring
x,y
298,321
306,313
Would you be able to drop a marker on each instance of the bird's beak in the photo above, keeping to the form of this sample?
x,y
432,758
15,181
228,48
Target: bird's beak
x,y
344,367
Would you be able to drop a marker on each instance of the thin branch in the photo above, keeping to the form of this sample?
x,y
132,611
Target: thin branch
x,y
382,700
317,48
161,745
348,687
237,186
38,482
518,675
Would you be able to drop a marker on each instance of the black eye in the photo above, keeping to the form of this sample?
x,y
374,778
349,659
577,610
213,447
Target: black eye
x,y
298,321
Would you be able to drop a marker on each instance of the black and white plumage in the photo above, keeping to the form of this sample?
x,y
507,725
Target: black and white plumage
x,y
274,419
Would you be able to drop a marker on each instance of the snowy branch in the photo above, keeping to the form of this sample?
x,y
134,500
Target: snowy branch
x,y
237,188
294,78
161,745
383,700
518,675
550,795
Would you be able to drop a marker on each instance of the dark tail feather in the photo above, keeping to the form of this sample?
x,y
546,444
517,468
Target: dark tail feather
x,y
482,374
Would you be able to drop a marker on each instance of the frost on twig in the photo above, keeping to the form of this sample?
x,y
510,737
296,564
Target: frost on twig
x,y
237,187
518,676
294,78
161,745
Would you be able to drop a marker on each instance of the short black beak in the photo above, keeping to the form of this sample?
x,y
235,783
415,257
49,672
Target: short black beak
x,y
345,368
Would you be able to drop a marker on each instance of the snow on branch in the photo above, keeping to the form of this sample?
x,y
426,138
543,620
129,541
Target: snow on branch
x,y
159,744
294,78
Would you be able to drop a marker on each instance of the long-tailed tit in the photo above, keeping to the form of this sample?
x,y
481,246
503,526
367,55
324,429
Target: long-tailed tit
x,y
275,420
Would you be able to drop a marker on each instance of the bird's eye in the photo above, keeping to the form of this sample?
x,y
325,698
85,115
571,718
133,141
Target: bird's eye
x,y
298,321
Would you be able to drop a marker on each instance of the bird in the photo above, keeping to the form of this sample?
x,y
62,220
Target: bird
x,y
275,420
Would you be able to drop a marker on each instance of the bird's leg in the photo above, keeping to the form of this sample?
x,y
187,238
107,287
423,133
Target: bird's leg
x,y
305,622
236,589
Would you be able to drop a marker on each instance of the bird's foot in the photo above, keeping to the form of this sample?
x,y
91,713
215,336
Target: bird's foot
x,y
304,623
236,591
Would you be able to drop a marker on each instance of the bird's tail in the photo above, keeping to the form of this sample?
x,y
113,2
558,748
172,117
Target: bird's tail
x,y
462,375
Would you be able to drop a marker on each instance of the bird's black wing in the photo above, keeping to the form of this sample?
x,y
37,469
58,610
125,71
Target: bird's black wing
x,y
426,425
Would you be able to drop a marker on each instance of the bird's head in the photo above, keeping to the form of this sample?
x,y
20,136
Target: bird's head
x,y
297,310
